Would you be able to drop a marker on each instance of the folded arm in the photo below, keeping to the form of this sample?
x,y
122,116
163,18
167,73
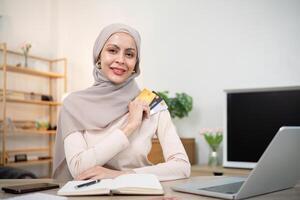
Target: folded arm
x,y
80,157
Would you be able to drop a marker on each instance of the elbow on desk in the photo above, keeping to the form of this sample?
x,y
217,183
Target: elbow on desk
x,y
187,170
180,170
183,169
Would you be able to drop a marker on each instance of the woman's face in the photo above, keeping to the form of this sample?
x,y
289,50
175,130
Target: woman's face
x,y
118,57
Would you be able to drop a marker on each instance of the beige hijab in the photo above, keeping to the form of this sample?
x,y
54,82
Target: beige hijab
x,y
97,106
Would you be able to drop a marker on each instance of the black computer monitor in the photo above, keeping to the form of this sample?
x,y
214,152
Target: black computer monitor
x,y
252,118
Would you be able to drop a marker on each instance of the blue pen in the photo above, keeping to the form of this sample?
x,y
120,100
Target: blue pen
x,y
88,183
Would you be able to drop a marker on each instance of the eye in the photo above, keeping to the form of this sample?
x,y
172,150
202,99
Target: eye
x,y
112,51
129,54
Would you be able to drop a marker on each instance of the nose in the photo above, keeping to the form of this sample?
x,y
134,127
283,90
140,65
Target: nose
x,y
120,59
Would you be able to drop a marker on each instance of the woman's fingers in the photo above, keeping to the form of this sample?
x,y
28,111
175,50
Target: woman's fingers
x,y
147,111
90,173
90,177
98,172
84,176
138,110
145,108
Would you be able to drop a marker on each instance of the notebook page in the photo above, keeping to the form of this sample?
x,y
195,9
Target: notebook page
x,y
69,187
148,181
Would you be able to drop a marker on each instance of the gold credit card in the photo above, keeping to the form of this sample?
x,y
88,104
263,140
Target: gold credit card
x,y
146,95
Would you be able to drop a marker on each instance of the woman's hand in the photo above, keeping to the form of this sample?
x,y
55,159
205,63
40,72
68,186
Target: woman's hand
x,y
138,109
99,172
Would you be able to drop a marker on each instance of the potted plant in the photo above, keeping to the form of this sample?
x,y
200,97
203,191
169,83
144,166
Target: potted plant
x,y
180,105
25,49
213,137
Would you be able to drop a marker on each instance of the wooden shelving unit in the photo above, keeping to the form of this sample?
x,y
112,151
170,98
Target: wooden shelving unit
x,y
27,150
6,101
33,72
29,162
47,103
31,131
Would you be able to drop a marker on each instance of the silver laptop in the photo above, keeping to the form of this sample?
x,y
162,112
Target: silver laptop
x,y
277,169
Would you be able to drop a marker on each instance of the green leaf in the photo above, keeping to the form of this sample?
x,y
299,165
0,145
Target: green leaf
x,y
180,105
213,140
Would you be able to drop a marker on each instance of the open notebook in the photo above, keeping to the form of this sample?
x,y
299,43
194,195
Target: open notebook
x,y
140,184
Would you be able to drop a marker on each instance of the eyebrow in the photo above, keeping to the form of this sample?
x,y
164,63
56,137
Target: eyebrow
x,y
116,46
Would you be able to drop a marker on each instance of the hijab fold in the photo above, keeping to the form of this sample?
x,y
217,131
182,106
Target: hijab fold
x,y
97,106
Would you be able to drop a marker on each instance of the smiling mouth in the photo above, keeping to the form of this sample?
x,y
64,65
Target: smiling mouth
x,y
118,71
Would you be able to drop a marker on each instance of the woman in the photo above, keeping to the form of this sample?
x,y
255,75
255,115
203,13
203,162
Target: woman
x,y
103,131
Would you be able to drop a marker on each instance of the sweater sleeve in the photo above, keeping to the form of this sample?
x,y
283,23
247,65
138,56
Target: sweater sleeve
x,y
80,157
176,165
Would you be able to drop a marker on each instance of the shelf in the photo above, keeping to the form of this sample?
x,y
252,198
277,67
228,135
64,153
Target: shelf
x,y
29,162
30,55
15,151
31,131
41,132
34,72
49,103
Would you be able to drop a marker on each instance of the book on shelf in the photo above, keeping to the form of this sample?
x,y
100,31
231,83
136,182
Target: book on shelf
x,y
127,184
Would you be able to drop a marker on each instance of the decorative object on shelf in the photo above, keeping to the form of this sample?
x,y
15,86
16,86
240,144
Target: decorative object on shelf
x,y
25,49
32,96
178,106
20,157
46,98
9,123
52,128
213,137
42,124
24,124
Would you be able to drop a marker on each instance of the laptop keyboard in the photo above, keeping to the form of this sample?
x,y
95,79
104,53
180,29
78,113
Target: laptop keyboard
x,y
230,188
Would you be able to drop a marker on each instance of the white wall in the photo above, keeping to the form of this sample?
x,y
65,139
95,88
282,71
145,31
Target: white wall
x,y
198,46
